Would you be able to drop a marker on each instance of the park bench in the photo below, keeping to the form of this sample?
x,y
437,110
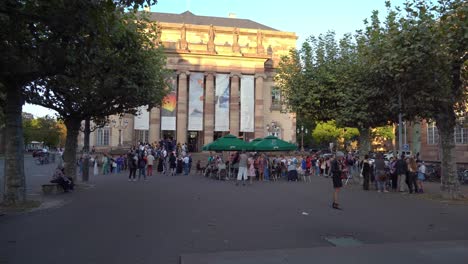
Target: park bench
x,y
49,188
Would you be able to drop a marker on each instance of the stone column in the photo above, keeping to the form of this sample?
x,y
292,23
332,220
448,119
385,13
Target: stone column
x,y
182,108
259,107
155,125
234,107
209,109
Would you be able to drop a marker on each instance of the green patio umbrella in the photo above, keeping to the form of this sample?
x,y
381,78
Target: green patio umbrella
x,y
227,143
272,143
255,141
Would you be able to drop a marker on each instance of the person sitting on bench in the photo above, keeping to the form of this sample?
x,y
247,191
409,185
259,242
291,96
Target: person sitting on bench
x,y
59,178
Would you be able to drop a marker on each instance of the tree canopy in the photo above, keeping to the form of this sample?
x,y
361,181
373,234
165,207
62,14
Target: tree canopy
x,y
40,40
413,63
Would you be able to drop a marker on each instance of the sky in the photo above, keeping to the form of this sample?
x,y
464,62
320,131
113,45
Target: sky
x,y
304,17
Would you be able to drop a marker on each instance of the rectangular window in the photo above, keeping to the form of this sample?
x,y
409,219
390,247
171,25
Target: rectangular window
x,y
432,134
141,136
461,134
103,136
275,98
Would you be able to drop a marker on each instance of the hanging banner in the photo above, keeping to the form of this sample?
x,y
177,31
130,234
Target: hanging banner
x,y
168,108
142,119
247,100
195,106
222,103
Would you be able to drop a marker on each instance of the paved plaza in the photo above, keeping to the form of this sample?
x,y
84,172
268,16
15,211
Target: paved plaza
x,y
193,219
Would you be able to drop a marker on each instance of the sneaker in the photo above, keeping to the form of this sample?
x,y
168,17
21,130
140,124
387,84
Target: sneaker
x,y
379,191
129,179
385,191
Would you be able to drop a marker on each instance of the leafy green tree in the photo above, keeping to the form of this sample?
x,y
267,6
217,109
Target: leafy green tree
x,y
329,80
111,74
328,132
35,35
42,129
422,60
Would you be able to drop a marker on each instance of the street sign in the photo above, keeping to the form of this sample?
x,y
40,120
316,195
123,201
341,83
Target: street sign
x,y
406,147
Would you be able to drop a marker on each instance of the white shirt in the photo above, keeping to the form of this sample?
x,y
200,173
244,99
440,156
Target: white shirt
x,y
186,160
422,168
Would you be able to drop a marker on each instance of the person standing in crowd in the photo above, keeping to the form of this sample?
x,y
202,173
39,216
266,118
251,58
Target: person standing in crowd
x,y
251,173
266,167
242,174
421,176
172,163
186,164
149,164
132,165
95,166
190,162
160,162
141,165
261,167
105,164
365,172
336,178
393,174
164,155
380,174
401,168
412,175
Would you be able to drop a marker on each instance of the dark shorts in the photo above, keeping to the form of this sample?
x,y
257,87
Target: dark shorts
x,y
337,183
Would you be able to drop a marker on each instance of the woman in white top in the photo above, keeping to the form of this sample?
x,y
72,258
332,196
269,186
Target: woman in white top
x,y
421,176
251,170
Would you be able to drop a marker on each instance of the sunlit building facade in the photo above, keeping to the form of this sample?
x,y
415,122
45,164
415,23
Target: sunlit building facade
x,y
222,82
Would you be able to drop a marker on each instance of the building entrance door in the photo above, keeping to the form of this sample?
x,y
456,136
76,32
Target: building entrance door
x,y
168,134
194,141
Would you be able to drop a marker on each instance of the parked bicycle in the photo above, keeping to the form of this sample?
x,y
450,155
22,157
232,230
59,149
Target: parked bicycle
x,y
432,173
463,176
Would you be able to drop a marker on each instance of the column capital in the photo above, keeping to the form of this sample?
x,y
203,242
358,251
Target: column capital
x,y
186,73
238,74
209,73
260,75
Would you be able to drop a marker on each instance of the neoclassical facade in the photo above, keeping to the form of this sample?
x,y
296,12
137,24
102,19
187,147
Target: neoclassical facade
x,y
222,82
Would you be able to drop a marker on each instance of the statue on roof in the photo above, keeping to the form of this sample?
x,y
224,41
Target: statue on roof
x,y
235,41
183,37
260,49
211,37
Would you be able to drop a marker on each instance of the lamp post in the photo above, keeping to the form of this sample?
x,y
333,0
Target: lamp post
x,y
120,124
301,131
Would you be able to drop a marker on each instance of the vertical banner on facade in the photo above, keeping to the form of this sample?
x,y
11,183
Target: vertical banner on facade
x,y
168,108
142,118
222,102
247,100
195,105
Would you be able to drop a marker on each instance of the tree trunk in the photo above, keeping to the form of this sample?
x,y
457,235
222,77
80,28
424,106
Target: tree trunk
x,y
71,143
15,181
87,133
364,141
450,187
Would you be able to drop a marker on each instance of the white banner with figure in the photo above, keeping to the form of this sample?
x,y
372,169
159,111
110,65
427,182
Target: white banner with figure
x,y
222,103
142,118
247,100
168,108
195,105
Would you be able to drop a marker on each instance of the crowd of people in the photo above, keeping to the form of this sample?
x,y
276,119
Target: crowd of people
x,y
144,160
405,174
